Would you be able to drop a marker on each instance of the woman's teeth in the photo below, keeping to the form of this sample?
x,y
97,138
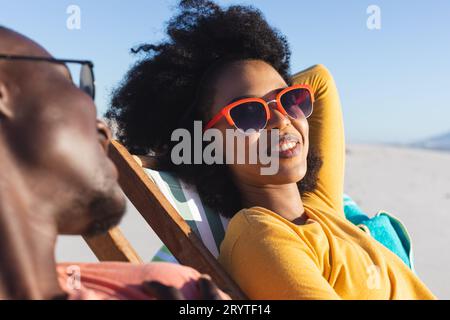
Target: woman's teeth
x,y
287,146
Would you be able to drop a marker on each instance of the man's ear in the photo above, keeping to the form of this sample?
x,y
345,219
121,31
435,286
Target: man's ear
x,y
5,101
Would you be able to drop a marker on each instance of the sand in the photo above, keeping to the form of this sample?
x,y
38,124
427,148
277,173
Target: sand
x,y
412,184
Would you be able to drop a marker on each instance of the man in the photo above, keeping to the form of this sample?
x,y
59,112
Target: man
x,y
56,178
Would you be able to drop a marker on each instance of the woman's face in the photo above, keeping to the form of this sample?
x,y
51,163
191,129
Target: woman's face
x,y
255,78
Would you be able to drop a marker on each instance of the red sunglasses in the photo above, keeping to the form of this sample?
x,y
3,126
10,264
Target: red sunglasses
x,y
254,113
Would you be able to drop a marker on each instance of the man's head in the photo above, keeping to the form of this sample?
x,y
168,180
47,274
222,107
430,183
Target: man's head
x,y
49,130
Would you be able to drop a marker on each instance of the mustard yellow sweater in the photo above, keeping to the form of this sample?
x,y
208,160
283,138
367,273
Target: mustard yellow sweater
x,y
328,257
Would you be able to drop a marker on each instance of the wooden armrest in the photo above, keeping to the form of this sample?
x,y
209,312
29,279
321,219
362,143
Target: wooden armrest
x,y
113,246
164,219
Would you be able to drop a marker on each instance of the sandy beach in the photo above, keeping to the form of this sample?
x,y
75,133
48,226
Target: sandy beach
x,y
412,184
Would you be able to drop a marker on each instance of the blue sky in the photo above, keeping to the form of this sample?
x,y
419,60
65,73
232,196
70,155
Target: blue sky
x,y
394,82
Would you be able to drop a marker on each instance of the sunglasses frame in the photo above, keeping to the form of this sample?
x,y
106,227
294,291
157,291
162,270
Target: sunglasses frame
x,y
225,111
88,63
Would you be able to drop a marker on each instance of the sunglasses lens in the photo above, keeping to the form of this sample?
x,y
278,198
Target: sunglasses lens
x,y
87,80
249,115
297,103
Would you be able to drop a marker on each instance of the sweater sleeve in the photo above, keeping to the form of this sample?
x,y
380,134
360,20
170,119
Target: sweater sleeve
x,y
326,132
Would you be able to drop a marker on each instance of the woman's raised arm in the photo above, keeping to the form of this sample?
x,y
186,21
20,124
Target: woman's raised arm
x,y
326,135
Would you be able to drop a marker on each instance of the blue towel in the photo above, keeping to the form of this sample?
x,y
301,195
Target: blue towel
x,y
384,228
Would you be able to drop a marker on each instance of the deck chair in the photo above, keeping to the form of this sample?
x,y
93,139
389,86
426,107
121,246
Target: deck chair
x,y
192,233
177,235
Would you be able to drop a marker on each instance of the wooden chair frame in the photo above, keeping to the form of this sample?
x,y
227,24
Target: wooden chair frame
x,y
164,219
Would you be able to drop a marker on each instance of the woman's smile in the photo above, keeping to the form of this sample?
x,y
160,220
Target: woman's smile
x,y
289,146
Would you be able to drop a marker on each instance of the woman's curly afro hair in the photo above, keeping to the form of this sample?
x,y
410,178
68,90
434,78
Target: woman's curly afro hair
x,y
173,85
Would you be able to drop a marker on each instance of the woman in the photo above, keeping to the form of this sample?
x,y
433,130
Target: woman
x,y
288,237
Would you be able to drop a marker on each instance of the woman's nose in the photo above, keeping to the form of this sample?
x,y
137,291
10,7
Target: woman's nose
x,y
277,119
